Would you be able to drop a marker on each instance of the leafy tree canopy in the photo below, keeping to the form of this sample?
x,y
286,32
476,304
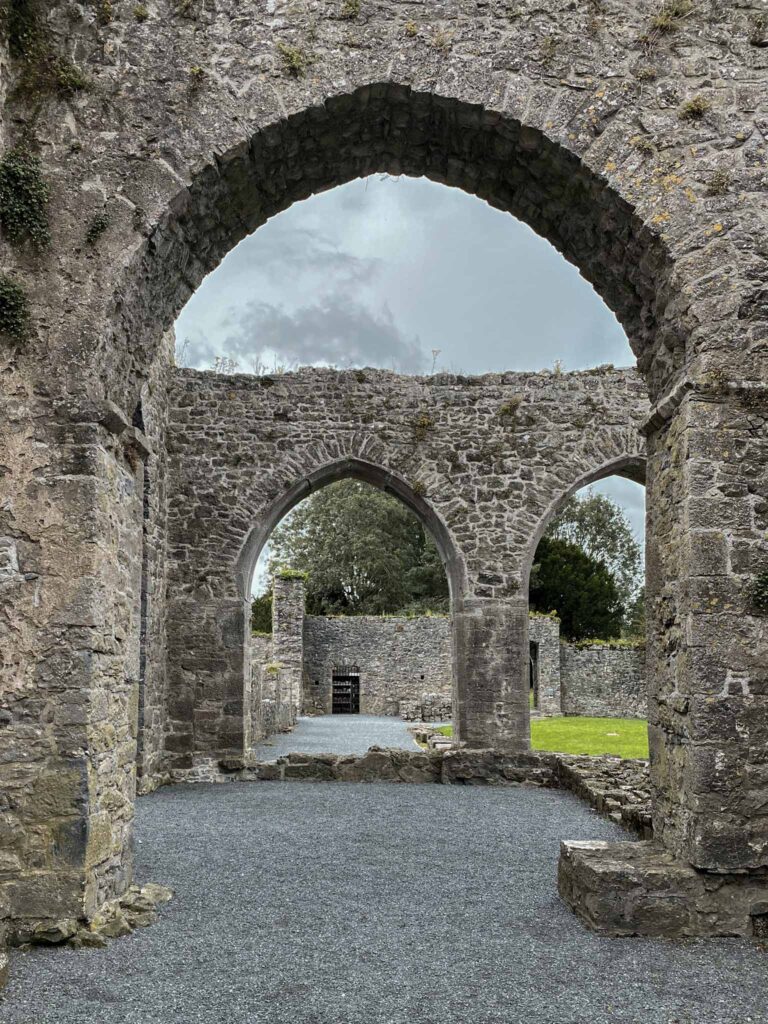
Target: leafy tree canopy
x,y
600,527
365,552
581,589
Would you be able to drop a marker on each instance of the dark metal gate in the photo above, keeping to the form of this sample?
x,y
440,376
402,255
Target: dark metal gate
x,y
346,690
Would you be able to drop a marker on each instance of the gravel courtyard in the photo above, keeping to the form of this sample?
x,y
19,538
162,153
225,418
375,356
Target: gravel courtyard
x,y
374,904
338,734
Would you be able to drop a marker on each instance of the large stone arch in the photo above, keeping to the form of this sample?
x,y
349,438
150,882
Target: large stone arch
x,y
398,129
352,468
630,466
589,140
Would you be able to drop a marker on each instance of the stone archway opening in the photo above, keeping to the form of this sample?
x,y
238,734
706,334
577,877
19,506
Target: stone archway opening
x,y
397,130
402,659
587,617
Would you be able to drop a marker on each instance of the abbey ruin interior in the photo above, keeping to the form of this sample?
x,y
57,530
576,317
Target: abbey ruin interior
x,y
138,495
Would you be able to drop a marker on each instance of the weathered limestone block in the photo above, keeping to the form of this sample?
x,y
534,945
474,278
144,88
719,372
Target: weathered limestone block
x,y
618,788
641,889
468,767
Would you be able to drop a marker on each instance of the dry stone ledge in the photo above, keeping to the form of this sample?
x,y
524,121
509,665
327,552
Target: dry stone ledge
x,y
618,788
623,889
136,908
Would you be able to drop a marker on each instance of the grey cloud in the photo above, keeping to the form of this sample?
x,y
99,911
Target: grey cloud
x,y
289,249
335,330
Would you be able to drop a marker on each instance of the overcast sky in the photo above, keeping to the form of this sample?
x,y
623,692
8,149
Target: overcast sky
x,y
382,271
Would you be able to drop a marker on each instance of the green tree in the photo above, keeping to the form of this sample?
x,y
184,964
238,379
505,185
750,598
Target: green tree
x,y
365,552
600,527
634,624
582,590
261,613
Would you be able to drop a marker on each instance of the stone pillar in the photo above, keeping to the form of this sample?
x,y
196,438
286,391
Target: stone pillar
x,y
706,872
288,602
490,650
708,645
70,655
545,631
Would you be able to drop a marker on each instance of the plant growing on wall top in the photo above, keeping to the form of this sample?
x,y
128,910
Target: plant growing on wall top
x,y
285,573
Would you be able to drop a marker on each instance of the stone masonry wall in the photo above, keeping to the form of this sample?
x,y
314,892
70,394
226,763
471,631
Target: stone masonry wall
x,y
399,659
483,461
544,631
604,682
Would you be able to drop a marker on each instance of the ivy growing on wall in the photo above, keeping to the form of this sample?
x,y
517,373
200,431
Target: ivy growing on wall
x,y
14,309
759,593
24,196
29,43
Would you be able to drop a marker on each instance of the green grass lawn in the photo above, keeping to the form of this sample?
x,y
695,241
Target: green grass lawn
x,y
625,737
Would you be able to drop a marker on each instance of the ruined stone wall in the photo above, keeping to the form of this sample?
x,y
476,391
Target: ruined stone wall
x,y
153,690
483,461
639,152
544,630
603,681
399,659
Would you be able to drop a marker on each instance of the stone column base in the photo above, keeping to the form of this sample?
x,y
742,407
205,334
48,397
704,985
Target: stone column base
x,y
640,889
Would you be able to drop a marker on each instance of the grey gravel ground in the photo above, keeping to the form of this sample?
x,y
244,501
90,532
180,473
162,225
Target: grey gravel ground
x,y
374,904
338,734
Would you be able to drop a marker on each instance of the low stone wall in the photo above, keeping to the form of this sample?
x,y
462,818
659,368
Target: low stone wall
x,y
616,788
623,889
399,659
429,707
603,681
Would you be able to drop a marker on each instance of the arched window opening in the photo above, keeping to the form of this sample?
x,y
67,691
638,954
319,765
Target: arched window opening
x,y
587,679
350,616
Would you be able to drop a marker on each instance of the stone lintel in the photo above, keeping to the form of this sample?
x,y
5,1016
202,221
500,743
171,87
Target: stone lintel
x,y
624,889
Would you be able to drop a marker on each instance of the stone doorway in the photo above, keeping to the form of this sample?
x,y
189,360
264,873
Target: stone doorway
x,y
346,690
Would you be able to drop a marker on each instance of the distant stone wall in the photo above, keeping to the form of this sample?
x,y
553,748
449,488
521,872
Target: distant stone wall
x,y
603,682
544,632
399,659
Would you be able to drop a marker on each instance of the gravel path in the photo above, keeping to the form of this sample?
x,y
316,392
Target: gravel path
x,y
338,734
339,903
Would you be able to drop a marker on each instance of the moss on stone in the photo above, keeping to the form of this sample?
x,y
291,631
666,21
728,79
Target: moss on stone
x,y
96,228
296,61
694,109
758,593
